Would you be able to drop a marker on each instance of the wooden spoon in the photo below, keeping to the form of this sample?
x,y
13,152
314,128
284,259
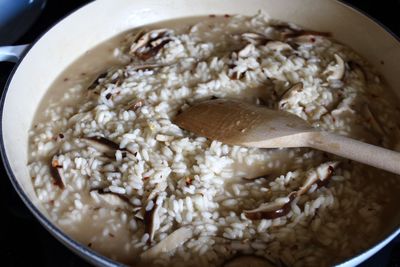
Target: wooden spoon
x,y
238,123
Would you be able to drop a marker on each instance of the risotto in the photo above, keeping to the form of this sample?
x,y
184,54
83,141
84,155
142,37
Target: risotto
x,y
114,172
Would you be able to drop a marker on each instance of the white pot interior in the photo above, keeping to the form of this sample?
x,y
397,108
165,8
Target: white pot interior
x,y
104,19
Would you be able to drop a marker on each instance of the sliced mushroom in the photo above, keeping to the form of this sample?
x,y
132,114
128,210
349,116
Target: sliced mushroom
x,y
335,71
144,66
158,45
140,40
272,210
110,198
251,178
96,81
57,174
150,43
305,37
283,29
153,51
278,46
101,144
170,243
152,221
248,261
320,176
255,38
237,75
287,31
280,207
297,33
372,120
289,93
137,36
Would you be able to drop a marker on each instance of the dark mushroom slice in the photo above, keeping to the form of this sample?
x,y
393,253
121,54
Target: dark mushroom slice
x,y
248,261
283,26
150,43
237,75
137,36
287,31
297,87
255,38
284,29
297,33
143,39
151,222
57,174
271,210
320,183
279,208
96,82
307,39
170,243
251,178
140,40
320,176
101,144
153,50
146,66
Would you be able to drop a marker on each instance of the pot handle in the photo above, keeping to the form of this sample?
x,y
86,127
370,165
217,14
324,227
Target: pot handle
x,y
12,53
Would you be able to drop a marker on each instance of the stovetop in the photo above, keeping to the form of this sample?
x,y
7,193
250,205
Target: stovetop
x,y
26,243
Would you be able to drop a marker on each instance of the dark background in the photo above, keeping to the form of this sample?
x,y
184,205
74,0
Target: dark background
x,y
24,242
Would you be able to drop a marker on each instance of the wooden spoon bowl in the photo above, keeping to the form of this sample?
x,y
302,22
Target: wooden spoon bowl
x,y
238,123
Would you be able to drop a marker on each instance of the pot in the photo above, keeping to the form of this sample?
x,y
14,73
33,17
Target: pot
x,y
103,19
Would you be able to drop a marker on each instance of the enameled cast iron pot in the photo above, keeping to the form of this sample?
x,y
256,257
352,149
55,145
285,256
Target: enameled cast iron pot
x,y
103,19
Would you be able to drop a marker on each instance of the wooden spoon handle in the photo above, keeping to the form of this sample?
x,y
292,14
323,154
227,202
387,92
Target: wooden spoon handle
x,y
358,151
